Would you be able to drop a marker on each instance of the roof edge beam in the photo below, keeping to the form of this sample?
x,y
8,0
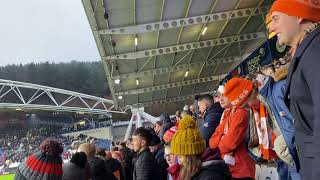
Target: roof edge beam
x,y
181,22
168,100
166,70
187,46
172,85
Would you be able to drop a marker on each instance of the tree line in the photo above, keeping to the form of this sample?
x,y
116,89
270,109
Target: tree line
x,y
84,77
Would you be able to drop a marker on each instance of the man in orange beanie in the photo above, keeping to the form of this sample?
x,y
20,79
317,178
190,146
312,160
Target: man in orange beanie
x,y
296,24
230,136
266,138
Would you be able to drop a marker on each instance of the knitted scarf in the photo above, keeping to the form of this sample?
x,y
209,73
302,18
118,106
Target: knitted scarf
x,y
265,133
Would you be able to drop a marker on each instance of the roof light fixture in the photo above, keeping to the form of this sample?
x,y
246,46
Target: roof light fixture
x,y
186,74
117,81
204,30
136,41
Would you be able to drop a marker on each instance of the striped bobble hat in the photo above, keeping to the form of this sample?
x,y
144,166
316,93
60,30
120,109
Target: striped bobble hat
x,y
44,164
187,140
168,135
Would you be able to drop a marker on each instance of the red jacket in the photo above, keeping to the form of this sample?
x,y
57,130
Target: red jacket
x,y
230,137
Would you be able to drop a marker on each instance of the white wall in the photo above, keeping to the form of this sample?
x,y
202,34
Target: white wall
x,y
104,133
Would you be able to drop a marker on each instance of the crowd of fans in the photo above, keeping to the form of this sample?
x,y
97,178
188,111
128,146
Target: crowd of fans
x,y
233,134
16,144
19,143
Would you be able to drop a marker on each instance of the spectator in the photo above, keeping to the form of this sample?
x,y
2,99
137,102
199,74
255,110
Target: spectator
x,y
177,117
75,169
302,92
157,127
145,166
157,149
230,137
110,163
172,161
186,108
97,166
211,113
266,142
188,145
186,112
272,87
129,144
192,109
117,155
128,156
166,124
48,158
114,148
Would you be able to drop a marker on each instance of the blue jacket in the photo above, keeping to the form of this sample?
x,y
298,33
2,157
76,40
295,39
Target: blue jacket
x,y
211,121
274,93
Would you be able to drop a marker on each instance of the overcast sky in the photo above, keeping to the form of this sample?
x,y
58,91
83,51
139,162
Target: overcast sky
x,y
45,30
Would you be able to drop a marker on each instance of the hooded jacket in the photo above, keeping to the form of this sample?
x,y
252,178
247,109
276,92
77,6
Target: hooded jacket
x,y
279,145
274,91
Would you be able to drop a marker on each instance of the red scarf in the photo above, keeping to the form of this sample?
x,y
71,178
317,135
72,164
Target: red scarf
x,y
174,171
265,133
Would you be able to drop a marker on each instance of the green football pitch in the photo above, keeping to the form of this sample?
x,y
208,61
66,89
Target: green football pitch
x,y
7,177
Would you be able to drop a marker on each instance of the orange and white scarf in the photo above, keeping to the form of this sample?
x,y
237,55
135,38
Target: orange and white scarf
x,y
265,133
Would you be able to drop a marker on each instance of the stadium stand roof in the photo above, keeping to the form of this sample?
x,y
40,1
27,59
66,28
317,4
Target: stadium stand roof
x,y
160,53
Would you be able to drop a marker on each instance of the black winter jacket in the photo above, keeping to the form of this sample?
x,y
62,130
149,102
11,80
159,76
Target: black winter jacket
x,y
211,121
114,165
303,99
99,170
161,162
145,166
213,170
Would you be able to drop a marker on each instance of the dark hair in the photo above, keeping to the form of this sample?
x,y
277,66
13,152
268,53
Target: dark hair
x,y
123,144
79,159
152,131
207,97
101,152
159,123
144,134
155,140
164,118
114,148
